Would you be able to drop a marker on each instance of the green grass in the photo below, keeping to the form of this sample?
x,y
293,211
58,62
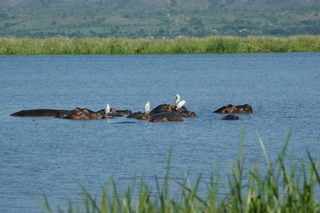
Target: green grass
x,y
183,45
279,188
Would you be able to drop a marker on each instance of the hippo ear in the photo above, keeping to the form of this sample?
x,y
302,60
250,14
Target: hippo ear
x,y
78,113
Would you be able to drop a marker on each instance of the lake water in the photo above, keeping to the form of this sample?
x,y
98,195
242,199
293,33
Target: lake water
x,y
55,157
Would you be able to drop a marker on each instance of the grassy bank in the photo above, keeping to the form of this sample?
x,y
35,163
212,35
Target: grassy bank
x,y
183,45
277,189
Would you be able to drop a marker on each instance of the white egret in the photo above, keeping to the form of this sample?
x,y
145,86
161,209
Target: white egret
x,y
180,104
147,107
178,98
107,109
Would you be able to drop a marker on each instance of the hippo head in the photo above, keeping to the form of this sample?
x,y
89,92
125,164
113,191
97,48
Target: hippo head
x,y
140,116
185,112
230,109
246,108
79,114
86,114
75,114
171,108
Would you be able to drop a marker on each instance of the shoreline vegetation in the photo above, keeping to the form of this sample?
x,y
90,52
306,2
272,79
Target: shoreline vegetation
x,y
278,188
180,45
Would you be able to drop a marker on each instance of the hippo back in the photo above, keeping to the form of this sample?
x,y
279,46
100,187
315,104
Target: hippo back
x,y
166,116
160,108
37,112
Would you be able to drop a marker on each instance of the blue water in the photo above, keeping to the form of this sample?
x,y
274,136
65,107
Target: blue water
x,y
55,157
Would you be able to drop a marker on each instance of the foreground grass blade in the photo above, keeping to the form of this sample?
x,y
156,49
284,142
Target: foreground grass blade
x,y
314,167
93,202
264,150
47,204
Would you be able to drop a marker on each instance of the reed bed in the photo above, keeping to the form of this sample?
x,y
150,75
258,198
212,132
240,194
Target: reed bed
x,y
279,188
182,45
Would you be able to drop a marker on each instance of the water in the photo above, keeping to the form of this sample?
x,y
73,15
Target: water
x,y
55,157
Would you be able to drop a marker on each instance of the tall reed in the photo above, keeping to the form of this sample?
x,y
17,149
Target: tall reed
x,y
280,188
182,45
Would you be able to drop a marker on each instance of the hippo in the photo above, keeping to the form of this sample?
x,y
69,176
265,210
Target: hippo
x,y
76,114
164,113
245,108
83,114
157,117
230,117
172,108
140,116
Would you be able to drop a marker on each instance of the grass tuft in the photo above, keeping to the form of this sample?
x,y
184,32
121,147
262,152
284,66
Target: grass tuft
x,y
281,188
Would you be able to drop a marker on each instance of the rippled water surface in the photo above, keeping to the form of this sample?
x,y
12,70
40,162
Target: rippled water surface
x,y
55,157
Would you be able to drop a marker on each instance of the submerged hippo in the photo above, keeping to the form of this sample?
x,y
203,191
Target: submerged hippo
x,y
76,114
245,108
230,117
